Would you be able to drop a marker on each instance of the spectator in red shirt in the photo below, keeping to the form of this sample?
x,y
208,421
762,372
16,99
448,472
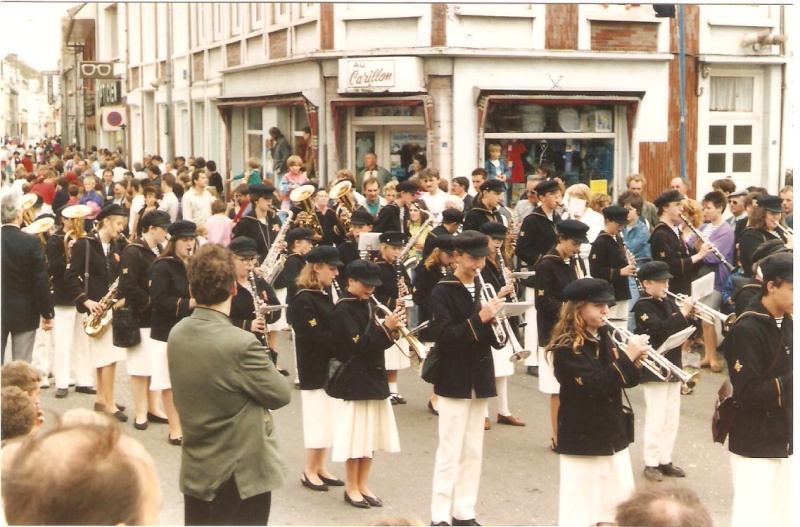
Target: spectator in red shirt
x,y
45,186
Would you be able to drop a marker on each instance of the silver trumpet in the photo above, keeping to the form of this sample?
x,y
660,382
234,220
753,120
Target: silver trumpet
x,y
786,230
419,349
657,363
501,327
705,313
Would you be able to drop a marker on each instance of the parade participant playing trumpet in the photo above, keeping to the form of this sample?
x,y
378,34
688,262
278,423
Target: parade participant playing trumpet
x,y
658,316
360,221
593,438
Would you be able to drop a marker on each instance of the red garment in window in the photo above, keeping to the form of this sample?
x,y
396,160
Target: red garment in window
x,y
514,153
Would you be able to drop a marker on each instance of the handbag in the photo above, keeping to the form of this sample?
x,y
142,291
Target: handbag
x,y
432,366
630,420
125,328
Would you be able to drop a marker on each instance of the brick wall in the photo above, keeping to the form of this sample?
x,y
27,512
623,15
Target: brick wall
x,y
438,25
277,44
233,54
198,66
624,36
562,26
326,26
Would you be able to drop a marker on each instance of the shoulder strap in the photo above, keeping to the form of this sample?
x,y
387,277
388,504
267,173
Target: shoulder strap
x,y
86,268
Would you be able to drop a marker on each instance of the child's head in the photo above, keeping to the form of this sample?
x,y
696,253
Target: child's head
x,y
24,376
18,413
494,151
654,277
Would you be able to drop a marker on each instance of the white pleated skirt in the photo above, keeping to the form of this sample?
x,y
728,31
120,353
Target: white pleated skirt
x,y
365,427
320,415
281,324
139,362
159,378
102,351
503,367
396,359
547,377
592,486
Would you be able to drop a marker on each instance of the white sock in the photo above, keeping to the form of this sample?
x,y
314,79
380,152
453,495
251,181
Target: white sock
x,y
393,387
501,383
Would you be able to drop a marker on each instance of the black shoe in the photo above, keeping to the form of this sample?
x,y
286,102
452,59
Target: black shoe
x,y
176,442
283,372
331,482
465,522
373,502
653,474
88,390
433,410
397,398
440,524
533,370
313,486
120,407
672,470
120,416
363,504
61,393
156,419
140,426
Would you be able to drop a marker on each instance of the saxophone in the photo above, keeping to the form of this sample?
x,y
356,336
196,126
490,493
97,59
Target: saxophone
x,y
96,324
273,262
258,303
403,258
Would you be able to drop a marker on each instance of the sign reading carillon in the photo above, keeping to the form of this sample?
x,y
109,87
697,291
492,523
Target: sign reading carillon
x,y
373,73
384,74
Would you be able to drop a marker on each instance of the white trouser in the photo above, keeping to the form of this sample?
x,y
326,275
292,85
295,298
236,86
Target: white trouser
x,y
762,490
457,473
81,358
42,350
663,401
64,327
531,333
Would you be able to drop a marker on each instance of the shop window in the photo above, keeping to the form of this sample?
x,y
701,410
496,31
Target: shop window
x,y
541,118
254,118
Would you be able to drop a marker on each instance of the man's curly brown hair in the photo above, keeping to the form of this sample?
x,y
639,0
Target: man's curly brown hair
x,y
18,413
211,273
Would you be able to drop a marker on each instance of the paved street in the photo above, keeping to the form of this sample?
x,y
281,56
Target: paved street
x,y
520,480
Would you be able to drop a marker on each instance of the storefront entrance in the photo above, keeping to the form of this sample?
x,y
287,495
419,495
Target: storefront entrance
x,y
394,145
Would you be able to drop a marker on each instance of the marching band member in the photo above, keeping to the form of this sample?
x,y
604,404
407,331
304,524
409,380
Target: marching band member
x,y
761,372
762,225
608,260
596,473
659,316
366,422
395,216
261,224
360,221
243,304
94,265
311,311
538,234
461,327
327,219
554,271
134,287
299,241
169,293
451,221
393,287
503,367
751,290
486,207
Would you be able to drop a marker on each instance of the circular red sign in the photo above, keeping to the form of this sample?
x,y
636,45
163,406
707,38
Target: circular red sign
x,y
114,118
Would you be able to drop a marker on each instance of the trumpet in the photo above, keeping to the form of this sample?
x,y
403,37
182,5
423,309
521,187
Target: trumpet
x,y
658,364
705,313
702,238
308,218
501,327
786,230
508,279
419,349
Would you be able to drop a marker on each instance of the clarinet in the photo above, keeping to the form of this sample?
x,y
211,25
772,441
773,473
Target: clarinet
x,y
714,249
632,261
258,303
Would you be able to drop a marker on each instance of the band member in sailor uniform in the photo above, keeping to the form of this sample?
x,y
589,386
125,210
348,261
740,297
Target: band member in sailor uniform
x,y
668,246
761,371
461,325
658,316
487,206
261,224
243,305
311,310
134,287
298,242
366,422
94,265
360,221
538,234
169,293
503,367
327,219
395,216
394,286
608,261
762,224
451,222
555,270
751,291
596,473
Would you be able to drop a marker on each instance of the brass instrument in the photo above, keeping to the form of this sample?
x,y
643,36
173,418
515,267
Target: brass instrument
x,y
705,313
403,258
96,324
40,227
508,280
786,230
700,236
419,349
657,363
76,214
501,327
275,259
308,218
632,261
346,207
258,303
487,293
577,263
26,203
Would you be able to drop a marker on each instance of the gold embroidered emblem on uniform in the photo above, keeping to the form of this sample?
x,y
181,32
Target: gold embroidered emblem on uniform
x,y
738,366
312,322
540,292
521,234
594,257
644,317
125,270
579,381
355,339
663,254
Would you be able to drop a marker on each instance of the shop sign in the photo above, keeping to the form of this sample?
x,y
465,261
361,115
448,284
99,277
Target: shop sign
x,y
109,93
113,118
368,75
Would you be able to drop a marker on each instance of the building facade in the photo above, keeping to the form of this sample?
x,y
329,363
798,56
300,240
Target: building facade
x,y
29,108
590,90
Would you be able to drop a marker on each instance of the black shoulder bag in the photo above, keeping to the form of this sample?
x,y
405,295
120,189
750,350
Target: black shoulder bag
x,y
125,327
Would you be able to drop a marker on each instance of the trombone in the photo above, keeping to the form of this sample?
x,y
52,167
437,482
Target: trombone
x,y
419,349
654,361
705,313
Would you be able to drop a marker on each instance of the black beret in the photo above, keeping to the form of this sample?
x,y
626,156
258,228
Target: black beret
x,y
261,189
364,271
669,196
654,271
444,242
183,229
156,218
243,246
548,185
452,216
324,254
299,233
616,213
768,248
111,210
492,185
472,242
393,238
361,217
777,267
590,290
770,203
407,186
494,229
573,230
